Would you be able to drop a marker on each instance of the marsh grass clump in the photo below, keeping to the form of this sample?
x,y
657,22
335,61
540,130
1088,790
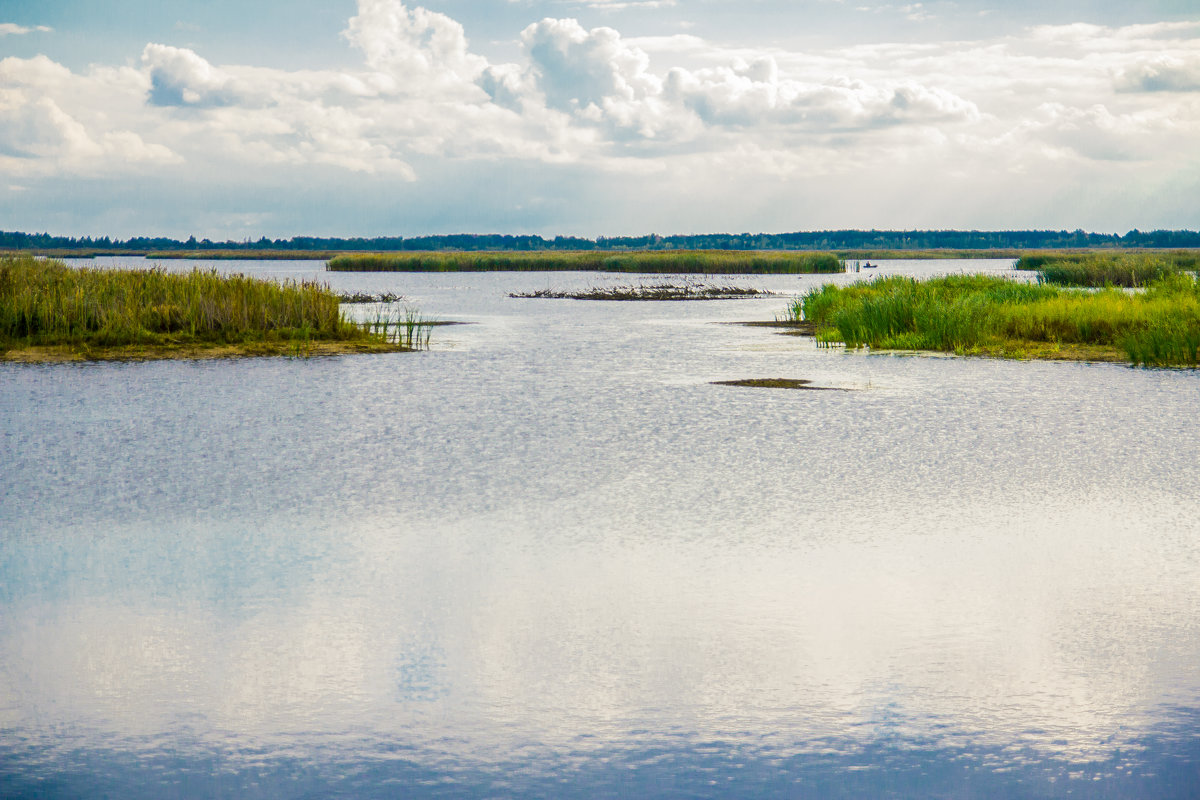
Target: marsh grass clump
x,y
96,313
978,314
1129,270
705,262
686,290
404,326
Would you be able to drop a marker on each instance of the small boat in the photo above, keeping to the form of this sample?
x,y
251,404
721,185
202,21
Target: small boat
x,y
869,265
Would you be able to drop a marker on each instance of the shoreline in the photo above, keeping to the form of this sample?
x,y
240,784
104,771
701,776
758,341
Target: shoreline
x,y
75,354
1023,350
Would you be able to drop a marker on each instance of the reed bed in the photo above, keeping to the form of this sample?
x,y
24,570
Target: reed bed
x,y
688,290
977,314
45,303
404,327
242,255
706,262
1129,270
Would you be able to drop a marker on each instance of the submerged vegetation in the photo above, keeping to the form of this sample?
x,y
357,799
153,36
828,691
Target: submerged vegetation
x,y
778,383
655,261
1129,270
49,311
978,314
687,290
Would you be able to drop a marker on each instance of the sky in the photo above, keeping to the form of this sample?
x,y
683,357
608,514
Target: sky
x,y
230,119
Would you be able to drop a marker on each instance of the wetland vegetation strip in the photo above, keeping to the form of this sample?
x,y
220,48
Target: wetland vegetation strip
x,y
49,311
707,262
880,254
1129,270
688,290
243,255
778,383
989,315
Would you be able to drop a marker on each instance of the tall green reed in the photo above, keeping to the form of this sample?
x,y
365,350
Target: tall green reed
x,y
402,326
1158,326
1129,270
46,302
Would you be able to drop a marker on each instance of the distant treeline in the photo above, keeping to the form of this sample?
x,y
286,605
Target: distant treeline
x,y
802,240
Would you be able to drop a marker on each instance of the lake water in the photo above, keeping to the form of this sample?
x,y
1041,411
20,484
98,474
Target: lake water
x,y
548,558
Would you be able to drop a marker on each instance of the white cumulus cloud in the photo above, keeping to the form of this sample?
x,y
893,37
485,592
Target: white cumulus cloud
x,y
576,68
1161,74
423,50
179,77
12,29
606,81
749,94
38,134
38,127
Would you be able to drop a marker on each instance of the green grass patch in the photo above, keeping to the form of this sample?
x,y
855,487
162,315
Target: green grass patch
x,y
707,262
1129,270
989,315
47,305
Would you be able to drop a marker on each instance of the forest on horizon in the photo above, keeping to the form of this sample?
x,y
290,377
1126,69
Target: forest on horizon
x,y
800,240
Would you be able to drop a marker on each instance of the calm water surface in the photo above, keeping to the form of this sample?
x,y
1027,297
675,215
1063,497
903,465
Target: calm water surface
x,y
549,558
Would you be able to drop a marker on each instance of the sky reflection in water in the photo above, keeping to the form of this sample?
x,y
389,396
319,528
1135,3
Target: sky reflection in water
x,y
550,558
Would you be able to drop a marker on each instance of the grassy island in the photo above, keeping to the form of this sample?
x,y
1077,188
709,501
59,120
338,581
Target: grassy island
x,y
1129,270
708,262
987,315
51,312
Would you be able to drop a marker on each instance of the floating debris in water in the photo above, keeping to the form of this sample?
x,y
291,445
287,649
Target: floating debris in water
x,y
361,297
689,290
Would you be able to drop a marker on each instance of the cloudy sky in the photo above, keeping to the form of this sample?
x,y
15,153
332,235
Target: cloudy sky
x,y
234,119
